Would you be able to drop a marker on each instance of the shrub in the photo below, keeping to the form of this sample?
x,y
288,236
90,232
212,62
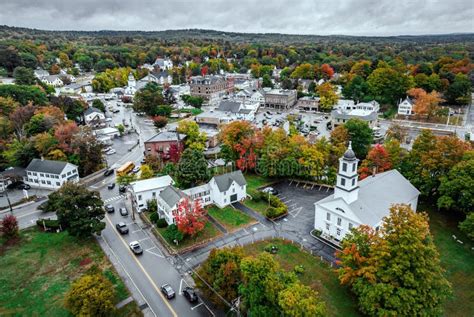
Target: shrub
x,y
50,224
172,233
161,223
9,227
274,212
151,205
255,194
154,217
298,269
160,121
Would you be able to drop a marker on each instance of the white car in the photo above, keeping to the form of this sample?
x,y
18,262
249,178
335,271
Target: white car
x,y
108,119
135,247
110,152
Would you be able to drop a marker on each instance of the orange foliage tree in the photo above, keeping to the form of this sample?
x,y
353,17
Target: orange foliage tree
x,y
190,217
426,104
378,158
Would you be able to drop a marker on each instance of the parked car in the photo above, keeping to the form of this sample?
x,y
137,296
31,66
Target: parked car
x,y
23,186
136,169
109,208
110,152
111,186
115,111
168,291
108,172
123,211
122,188
190,294
121,228
270,190
135,247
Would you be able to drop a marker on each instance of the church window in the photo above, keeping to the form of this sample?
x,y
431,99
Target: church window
x,y
328,216
353,181
344,167
327,226
343,181
338,231
339,221
354,167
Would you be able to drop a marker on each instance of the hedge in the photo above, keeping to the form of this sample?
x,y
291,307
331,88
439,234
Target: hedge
x,y
161,223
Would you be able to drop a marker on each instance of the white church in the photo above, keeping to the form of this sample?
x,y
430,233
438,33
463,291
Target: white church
x,y
357,203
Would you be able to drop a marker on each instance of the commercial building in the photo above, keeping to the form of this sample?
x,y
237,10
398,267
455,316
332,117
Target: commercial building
x,y
50,174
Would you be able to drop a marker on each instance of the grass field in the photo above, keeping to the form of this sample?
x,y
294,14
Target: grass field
x,y
36,274
318,275
209,231
229,217
256,181
457,259
259,206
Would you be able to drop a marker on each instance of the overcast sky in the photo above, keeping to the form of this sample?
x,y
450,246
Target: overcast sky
x,y
324,17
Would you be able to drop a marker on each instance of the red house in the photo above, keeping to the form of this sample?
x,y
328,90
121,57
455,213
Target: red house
x,y
159,144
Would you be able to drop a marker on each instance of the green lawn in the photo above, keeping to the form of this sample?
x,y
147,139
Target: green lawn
x,y
259,206
457,259
229,217
318,275
256,181
209,231
36,274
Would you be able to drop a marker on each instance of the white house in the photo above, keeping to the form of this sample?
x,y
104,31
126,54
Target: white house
x,y
93,116
163,63
131,88
221,190
405,107
40,73
347,109
52,80
148,189
357,203
50,174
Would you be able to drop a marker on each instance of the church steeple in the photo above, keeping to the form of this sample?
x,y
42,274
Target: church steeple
x,y
347,185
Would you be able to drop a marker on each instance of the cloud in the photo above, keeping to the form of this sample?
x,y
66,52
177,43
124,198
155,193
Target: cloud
x,y
324,17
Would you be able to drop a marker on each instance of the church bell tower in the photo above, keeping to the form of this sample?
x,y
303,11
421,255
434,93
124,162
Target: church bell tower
x,y
347,186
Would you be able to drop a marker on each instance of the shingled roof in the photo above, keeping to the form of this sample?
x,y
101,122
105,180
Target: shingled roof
x,y
46,166
224,181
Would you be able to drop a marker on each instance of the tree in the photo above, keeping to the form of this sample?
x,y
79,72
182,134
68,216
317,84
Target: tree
x,y
24,76
73,108
8,105
174,152
20,152
396,271
91,295
456,189
190,217
104,64
327,71
195,139
196,102
24,94
97,103
19,117
79,210
426,104
397,132
126,179
378,161
361,136
459,91
160,122
300,300
267,81
467,226
87,150
192,168
388,85
357,89
121,128
148,99
9,227
146,172
221,270
328,96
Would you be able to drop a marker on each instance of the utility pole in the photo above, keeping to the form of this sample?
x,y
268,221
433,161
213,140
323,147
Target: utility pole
x,y
8,200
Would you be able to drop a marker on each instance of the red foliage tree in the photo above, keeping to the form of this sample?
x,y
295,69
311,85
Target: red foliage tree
x,y
378,159
160,121
204,70
174,152
65,133
327,71
190,217
9,227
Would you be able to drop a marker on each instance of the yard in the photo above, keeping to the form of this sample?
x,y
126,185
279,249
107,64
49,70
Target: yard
x,y
36,274
209,232
254,182
317,274
229,217
457,259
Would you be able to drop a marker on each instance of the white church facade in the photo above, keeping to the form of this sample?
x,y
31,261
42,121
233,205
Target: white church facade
x,y
357,203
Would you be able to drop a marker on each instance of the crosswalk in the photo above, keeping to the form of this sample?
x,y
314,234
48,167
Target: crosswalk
x,y
108,200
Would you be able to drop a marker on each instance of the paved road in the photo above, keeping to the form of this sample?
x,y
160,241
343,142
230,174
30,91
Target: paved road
x,y
28,214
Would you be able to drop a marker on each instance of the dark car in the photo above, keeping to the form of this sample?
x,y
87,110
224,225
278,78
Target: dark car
x,y
23,186
135,247
122,188
122,228
109,208
168,291
190,294
123,211
111,186
108,172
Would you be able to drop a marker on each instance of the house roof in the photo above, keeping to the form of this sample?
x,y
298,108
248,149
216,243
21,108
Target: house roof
x,y
166,136
225,180
91,110
229,105
51,78
377,194
151,183
46,166
171,195
195,190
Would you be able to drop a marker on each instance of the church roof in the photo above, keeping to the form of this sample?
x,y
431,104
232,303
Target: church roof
x,y
377,194
349,154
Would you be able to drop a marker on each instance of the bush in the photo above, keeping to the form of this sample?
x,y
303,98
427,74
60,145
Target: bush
x,y
298,269
154,217
160,121
50,224
172,233
255,194
274,212
161,223
9,227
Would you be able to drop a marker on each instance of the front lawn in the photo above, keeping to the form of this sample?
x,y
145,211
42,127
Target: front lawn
x,y
256,181
209,232
456,258
259,206
229,217
36,274
317,274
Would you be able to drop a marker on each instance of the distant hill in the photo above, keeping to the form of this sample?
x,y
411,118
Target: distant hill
x,y
8,32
